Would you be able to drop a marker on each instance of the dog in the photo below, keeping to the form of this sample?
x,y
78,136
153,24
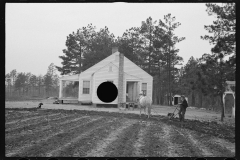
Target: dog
x,y
39,105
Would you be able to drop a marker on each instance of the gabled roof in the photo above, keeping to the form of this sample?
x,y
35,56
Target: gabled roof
x,y
95,65
127,75
98,63
104,67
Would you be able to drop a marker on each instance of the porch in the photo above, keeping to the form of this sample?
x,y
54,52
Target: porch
x,y
69,88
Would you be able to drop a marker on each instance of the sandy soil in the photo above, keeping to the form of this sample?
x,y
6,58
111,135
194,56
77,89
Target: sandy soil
x,y
82,133
194,114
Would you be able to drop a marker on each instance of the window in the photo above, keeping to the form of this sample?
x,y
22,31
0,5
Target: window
x,y
144,88
86,87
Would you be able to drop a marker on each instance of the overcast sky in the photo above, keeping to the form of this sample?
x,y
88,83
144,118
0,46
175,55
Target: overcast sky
x,y
36,32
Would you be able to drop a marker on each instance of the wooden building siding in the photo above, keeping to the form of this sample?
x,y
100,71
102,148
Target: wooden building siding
x,y
88,74
84,97
100,73
104,75
132,69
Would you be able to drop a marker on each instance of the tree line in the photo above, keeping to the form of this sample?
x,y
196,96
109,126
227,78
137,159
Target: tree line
x,y
152,46
28,84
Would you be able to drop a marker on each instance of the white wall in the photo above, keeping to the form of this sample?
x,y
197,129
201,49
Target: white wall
x,y
101,74
87,75
132,69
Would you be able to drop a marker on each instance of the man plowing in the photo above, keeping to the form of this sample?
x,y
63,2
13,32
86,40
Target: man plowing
x,y
182,109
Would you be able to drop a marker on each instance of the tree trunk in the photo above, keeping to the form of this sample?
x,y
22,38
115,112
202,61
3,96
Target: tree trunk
x,y
193,99
201,97
80,59
150,50
10,90
222,112
169,76
39,91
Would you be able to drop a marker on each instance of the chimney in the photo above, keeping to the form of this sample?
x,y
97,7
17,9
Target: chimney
x,y
114,49
121,79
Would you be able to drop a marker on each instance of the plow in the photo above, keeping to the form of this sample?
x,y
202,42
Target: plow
x,y
175,112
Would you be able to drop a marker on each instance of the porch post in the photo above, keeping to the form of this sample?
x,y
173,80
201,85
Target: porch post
x,y
140,84
60,89
233,109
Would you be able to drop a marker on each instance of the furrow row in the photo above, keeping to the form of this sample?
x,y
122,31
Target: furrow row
x,y
38,138
45,128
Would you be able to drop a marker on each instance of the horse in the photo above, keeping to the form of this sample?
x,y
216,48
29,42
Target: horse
x,y
145,102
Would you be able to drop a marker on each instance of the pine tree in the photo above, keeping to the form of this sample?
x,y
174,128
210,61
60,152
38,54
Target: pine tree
x,y
85,48
223,38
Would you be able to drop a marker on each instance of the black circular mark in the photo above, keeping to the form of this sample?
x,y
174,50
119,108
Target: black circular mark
x,y
200,159
141,159
229,159
107,92
171,158
24,159
82,159
111,159
52,159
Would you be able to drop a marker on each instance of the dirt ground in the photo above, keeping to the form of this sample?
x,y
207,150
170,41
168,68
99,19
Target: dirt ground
x,y
56,132
193,114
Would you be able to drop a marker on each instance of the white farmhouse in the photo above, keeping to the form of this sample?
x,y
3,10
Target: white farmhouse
x,y
127,77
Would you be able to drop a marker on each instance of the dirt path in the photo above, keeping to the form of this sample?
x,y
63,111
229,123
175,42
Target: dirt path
x,y
157,110
166,136
139,143
101,146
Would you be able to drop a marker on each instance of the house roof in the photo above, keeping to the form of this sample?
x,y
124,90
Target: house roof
x,y
128,76
72,77
114,54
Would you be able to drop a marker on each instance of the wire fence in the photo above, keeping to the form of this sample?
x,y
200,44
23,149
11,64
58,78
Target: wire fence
x,y
31,92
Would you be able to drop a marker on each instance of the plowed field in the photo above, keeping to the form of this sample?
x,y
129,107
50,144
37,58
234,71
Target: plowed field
x,y
74,133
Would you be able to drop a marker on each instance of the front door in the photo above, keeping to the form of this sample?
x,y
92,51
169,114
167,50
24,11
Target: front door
x,y
132,89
